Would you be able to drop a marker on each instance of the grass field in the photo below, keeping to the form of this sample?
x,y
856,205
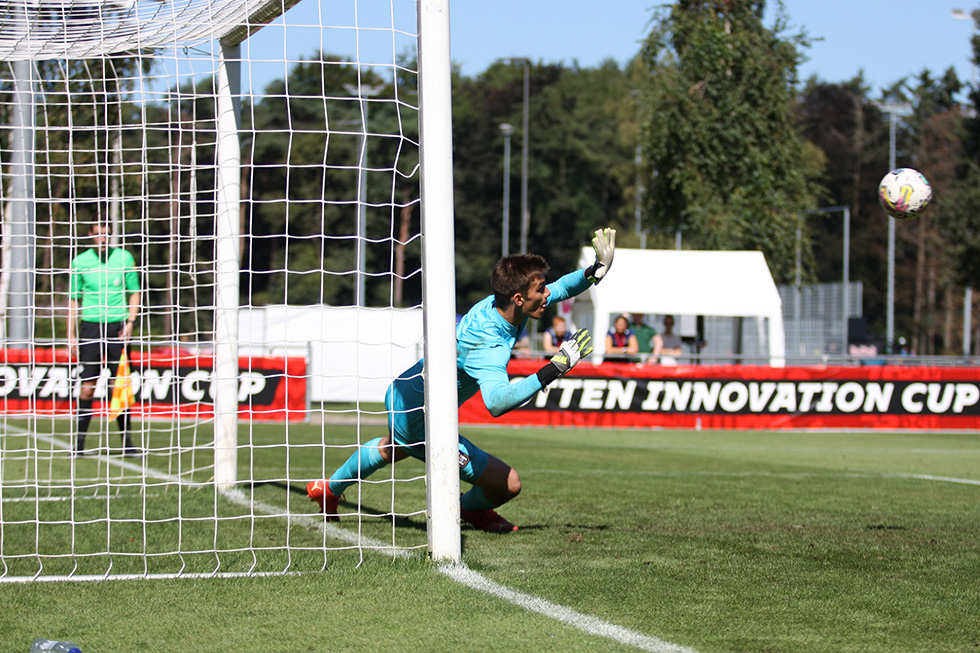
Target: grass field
x,y
715,541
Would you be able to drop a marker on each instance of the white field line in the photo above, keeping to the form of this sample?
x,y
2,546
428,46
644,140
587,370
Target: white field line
x,y
665,474
585,623
466,576
459,573
102,497
140,468
927,477
463,574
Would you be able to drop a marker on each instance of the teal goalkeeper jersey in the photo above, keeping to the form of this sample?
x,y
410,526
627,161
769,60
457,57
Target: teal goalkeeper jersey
x,y
103,286
484,341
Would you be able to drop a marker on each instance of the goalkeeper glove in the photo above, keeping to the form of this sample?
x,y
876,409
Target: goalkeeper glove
x,y
604,244
569,354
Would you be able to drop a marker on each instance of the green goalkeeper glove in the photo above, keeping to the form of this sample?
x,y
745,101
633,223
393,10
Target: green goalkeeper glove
x,y
569,354
604,244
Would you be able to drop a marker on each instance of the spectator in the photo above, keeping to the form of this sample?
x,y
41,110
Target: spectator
x,y
621,341
644,333
103,303
667,346
556,334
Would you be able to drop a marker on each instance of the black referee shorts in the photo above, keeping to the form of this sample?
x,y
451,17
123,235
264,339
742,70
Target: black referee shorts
x,y
99,344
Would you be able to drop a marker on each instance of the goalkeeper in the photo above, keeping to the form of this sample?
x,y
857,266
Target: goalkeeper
x,y
485,337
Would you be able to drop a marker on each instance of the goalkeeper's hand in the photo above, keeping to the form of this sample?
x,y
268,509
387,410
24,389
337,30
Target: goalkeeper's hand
x,y
569,354
604,244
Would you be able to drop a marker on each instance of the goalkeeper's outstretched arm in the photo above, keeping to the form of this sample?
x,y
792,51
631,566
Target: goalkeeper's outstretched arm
x,y
489,367
501,398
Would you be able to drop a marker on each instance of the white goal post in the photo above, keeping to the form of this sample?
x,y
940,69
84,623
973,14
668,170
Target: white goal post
x,y
277,156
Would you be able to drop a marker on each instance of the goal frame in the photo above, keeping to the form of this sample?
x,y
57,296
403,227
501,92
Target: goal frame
x,y
438,264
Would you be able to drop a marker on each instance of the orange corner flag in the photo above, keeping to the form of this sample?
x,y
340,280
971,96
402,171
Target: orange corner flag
x,y
122,390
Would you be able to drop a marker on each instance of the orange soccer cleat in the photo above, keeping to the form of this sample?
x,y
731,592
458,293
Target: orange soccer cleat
x,y
319,491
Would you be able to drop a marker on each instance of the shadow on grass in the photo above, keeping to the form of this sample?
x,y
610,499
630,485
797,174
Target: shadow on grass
x,y
400,522
405,522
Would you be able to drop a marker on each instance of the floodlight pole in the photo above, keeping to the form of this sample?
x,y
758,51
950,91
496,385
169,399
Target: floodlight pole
x,y
525,140
959,14
797,311
638,207
362,92
890,314
525,213
894,110
967,318
846,291
507,130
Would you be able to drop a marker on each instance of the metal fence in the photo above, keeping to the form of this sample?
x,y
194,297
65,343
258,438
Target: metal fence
x,y
814,324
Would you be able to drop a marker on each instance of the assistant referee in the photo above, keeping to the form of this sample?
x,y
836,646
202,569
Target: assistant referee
x,y
103,304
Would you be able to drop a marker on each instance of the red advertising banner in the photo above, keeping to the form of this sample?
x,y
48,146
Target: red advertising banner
x,y
166,383
746,397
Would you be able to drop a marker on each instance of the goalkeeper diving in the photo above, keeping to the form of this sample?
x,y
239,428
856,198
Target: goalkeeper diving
x,y
485,337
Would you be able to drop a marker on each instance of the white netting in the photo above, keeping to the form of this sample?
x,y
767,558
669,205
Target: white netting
x,y
127,126
76,29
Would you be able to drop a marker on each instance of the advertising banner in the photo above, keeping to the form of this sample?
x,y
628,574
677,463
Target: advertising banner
x,y
747,397
165,383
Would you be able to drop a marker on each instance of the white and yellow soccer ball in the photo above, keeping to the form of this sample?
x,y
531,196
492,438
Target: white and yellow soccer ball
x,y
904,193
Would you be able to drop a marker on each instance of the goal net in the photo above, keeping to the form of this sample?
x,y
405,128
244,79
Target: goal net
x,y
261,163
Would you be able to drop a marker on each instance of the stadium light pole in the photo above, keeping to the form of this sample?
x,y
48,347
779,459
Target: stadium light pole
x,y
362,92
507,130
638,207
846,291
960,14
797,283
525,140
894,111
525,213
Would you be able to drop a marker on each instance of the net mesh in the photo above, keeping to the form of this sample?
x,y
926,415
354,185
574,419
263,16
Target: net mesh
x,y
122,101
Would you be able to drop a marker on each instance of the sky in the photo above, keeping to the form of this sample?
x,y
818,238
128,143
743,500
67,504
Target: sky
x,y
887,39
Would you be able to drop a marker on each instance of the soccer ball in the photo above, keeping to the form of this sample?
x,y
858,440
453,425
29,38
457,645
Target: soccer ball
x,y
904,193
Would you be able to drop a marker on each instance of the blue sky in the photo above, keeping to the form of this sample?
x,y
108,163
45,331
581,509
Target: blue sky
x,y
888,39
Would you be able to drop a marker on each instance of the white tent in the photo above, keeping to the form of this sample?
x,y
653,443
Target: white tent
x,y
672,282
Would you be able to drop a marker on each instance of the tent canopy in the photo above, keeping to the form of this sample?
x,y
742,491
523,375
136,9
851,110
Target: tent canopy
x,y
723,283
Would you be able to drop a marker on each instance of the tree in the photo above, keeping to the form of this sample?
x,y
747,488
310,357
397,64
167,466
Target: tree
x,y
852,134
725,155
303,163
83,108
935,132
961,203
579,165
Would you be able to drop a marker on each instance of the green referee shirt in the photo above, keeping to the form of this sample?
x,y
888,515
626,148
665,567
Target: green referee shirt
x,y
103,285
